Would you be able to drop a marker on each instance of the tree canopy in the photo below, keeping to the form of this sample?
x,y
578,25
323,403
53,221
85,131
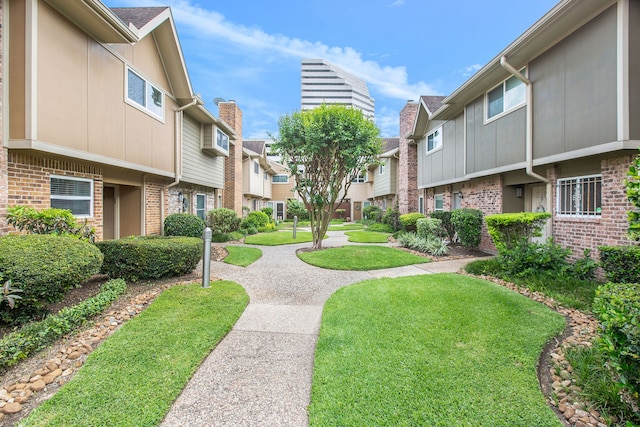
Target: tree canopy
x,y
325,148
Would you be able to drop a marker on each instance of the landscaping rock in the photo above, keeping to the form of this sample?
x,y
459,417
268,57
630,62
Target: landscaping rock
x,y
11,408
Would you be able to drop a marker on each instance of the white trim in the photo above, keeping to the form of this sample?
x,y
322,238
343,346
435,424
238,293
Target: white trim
x,y
382,168
426,140
622,47
84,155
578,180
91,196
148,83
435,196
505,110
205,204
421,204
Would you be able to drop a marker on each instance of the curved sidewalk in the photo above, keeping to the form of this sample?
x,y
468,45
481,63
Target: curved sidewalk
x,y
260,373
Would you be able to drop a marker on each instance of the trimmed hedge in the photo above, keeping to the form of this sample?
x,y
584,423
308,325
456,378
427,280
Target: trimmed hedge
x,y
617,306
150,257
184,224
445,218
429,228
45,267
409,220
621,264
509,230
35,336
223,220
468,224
255,219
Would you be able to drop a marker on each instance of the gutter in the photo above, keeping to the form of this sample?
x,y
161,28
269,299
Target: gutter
x,y
177,153
529,130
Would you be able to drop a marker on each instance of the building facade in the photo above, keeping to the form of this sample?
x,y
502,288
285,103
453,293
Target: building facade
x,y
325,83
547,125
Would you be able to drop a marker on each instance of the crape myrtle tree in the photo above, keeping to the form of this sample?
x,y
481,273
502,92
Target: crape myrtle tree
x,y
325,148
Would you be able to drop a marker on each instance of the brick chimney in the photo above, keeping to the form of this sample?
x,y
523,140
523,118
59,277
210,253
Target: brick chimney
x,y
232,115
408,161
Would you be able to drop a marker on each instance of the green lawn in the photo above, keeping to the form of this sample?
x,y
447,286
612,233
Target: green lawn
x,y
279,238
367,237
242,255
133,377
431,350
346,227
356,257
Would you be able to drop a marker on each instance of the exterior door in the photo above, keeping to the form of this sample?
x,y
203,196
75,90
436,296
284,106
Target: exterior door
x,y
357,211
280,210
538,203
109,213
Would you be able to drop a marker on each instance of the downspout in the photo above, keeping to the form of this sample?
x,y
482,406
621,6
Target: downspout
x,y
529,129
178,156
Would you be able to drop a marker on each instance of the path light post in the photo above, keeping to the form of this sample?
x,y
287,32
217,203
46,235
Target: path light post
x,y
206,257
295,225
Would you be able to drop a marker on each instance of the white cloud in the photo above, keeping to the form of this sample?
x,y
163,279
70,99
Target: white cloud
x,y
470,70
397,3
388,81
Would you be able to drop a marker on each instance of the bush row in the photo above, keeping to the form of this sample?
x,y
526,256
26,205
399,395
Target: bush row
x,y
45,267
150,257
35,336
621,263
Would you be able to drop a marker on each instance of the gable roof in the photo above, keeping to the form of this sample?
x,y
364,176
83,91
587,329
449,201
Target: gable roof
x,y
137,16
256,146
432,103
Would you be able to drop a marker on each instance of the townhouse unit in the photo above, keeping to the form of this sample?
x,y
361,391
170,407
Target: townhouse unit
x,y
257,171
99,117
550,124
384,188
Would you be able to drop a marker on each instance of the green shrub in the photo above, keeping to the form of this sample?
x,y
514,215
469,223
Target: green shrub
x,y
29,339
255,219
184,224
509,230
372,212
621,263
408,221
468,225
617,306
150,257
431,245
392,218
583,268
296,208
429,228
228,237
534,259
45,267
223,220
379,227
447,225
269,212
632,184
269,228
49,221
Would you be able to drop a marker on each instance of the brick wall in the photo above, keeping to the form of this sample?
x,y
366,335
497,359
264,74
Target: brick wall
x,y
484,194
4,185
610,229
408,162
232,197
153,194
189,191
29,183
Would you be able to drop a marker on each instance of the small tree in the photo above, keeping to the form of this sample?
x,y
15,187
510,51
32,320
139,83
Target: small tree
x,y
324,149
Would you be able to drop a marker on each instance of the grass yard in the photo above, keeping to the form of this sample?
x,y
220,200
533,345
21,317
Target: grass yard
x,y
432,350
279,238
242,255
356,257
367,237
133,377
355,226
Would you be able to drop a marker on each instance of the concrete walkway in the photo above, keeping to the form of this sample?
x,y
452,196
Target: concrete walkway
x,y
260,373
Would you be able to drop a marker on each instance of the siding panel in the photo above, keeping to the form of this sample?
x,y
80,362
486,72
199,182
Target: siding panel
x,y
198,167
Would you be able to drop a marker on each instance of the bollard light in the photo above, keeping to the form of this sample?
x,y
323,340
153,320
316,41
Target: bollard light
x,y
295,225
206,257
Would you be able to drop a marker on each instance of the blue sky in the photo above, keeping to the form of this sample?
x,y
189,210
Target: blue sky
x,y
250,51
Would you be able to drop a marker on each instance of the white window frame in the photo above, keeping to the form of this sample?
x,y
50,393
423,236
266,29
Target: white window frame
x,y
382,168
421,204
360,178
437,197
436,137
88,198
222,140
266,176
204,208
278,176
519,92
148,87
576,186
256,167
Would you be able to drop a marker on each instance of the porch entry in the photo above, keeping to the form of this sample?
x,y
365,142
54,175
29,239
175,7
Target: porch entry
x,y
537,202
122,211
357,211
